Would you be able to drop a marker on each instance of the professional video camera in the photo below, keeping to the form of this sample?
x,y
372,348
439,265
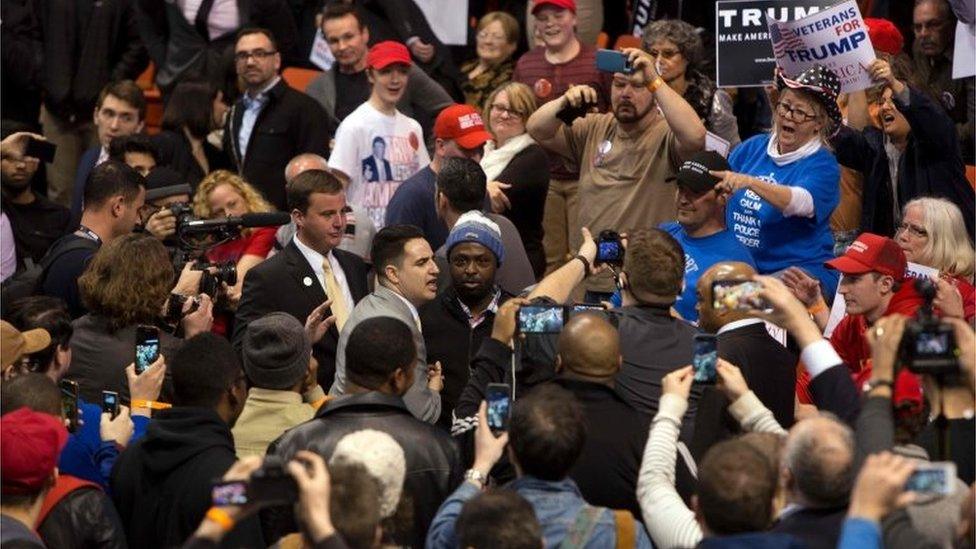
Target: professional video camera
x,y
929,345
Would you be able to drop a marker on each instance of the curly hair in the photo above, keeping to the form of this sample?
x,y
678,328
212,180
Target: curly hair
x,y
684,36
255,202
655,265
128,281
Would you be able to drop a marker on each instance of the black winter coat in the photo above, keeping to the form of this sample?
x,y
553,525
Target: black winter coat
x,y
83,519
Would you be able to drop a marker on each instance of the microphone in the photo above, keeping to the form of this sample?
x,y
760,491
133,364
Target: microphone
x,y
263,219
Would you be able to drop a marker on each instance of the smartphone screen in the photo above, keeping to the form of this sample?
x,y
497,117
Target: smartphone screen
x,y
69,403
609,251
110,403
541,319
613,61
41,150
229,493
499,400
933,478
737,295
706,355
147,347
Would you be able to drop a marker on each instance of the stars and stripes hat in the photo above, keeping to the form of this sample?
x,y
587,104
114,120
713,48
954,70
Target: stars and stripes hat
x,y
819,81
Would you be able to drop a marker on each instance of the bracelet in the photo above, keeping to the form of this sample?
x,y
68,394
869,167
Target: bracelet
x,y
221,517
151,404
586,264
820,307
655,84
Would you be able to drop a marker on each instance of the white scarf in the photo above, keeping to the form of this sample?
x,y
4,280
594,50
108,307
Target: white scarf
x,y
495,160
782,159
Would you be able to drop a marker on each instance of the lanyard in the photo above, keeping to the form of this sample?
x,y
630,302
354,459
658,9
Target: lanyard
x,y
89,234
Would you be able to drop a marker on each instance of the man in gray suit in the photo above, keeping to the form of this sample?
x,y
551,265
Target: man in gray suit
x,y
406,278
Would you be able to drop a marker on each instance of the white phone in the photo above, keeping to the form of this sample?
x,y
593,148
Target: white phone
x,y
938,477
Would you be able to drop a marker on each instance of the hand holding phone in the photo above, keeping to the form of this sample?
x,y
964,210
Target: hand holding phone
x,y
938,477
705,358
110,403
498,396
737,295
613,61
40,149
609,249
541,319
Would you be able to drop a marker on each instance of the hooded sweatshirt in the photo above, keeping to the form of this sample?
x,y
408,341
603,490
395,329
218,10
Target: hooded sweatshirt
x,y
162,483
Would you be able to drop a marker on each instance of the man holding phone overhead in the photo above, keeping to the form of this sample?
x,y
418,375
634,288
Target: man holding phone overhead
x,y
625,156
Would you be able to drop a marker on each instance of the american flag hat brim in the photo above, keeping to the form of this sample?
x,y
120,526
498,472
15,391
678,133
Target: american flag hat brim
x,y
819,81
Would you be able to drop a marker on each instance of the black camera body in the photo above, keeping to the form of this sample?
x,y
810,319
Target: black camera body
x,y
609,249
272,483
928,345
210,281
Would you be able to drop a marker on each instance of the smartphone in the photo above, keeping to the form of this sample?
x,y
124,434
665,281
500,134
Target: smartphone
x,y
541,319
272,484
147,347
232,492
609,249
40,149
580,308
110,403
937,477
69,403
613,61
737,295
705,358
499,400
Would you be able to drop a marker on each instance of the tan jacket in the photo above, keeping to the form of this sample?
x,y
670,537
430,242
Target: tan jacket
x,y
268,413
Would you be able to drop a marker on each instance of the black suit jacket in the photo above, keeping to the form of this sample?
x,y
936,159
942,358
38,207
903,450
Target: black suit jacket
x,y
278,284
291,123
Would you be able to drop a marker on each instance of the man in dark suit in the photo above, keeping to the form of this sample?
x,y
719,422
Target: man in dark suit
x,y
271,122
310,269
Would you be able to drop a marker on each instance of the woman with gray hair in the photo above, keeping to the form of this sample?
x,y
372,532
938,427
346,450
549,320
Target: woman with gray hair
x,y
678,52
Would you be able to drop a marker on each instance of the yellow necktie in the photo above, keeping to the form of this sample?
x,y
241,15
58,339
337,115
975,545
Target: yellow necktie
x,y
339,306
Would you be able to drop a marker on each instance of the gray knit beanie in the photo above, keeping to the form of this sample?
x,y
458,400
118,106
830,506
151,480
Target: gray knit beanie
x,y
276,351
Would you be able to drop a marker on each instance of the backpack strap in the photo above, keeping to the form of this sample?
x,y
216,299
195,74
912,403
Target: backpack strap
x,y
62,487
626,529
579,532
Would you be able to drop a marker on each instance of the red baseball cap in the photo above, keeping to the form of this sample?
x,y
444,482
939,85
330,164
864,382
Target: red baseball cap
x,y
384,54
907,396
463,124
872,253
30,443
884,35
561,4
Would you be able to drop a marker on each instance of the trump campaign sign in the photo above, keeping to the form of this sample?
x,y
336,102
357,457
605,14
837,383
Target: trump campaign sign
x,y
743,50
836,38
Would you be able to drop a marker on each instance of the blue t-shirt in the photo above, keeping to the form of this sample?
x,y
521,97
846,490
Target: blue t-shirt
x,y
775,241
700,254
413,204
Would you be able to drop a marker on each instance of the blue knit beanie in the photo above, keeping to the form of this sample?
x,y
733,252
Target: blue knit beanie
x,y
474,226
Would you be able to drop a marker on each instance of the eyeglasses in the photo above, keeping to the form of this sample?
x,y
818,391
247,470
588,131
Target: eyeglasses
x,y
502,109
664,54
483,35
797,115
259,55
912,229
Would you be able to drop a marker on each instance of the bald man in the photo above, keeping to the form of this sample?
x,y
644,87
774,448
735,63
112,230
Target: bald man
x,y
768,367
359,227
587,361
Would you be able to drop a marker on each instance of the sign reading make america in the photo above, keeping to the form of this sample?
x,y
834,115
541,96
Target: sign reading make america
x,y
743,50
836,38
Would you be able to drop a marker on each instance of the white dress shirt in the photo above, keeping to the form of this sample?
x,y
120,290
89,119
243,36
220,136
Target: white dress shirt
x,y
316,260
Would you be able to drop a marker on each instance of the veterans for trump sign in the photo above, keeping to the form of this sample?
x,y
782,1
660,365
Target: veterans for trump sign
x,y
836,38
743,49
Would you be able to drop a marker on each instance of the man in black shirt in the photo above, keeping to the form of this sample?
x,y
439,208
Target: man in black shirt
x,y
113,197
349,40
35,221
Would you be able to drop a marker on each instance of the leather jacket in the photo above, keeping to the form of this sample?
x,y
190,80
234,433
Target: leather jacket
x,y
433,462
83,519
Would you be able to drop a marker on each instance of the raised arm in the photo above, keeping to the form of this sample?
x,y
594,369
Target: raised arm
x,y
548,130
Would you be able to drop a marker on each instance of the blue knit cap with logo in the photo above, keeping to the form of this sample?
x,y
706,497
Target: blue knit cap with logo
x,y
474,226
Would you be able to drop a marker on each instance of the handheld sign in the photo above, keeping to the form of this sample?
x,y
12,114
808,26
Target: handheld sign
x,y
743,52
836,38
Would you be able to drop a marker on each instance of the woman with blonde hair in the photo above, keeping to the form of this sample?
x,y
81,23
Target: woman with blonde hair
x,y
932,233
496,41
225,194
517,167
126,285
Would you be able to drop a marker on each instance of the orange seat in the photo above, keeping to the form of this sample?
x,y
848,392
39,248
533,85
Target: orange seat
x,y
602,40
146,80
154,99
299,78
971,175
627,41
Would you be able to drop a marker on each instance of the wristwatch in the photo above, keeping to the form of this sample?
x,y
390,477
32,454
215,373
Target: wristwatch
x,y
476,476
873,384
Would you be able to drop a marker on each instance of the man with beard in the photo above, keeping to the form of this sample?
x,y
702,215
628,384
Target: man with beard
x,y
35,221
626,156
465,310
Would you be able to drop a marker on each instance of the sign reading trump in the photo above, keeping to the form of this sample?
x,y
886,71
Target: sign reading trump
x,y
836,38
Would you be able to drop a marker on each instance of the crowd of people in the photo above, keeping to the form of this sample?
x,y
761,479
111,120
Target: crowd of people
x,y
482,295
